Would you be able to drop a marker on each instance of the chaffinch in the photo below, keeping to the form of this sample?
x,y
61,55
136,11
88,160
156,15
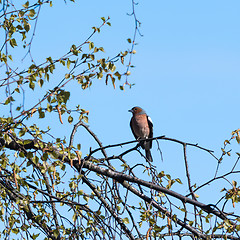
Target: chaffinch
x,y
142,128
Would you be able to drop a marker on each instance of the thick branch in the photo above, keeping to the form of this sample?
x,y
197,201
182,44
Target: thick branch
x,y
122,176
163,210
14,195
109,208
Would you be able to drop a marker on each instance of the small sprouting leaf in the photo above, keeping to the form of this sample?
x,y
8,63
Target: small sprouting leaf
x,y
125,220
26,5
238,137
70,119
15,230
41,113
22,132
74,218
178,180
13,42
27,26
85,119
34,236
67,75
31,13
9,99
68,63
40,82
91,45
32,85
122,59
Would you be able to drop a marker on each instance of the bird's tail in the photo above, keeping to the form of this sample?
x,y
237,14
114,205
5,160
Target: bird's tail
x,y
148,155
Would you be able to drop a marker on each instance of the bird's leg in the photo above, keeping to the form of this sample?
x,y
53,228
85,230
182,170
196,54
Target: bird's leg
x,y
139,141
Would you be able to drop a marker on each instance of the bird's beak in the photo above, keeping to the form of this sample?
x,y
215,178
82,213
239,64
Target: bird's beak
x,y
130,110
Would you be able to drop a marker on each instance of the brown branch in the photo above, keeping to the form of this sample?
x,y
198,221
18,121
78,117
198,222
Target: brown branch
x,y
187,172
163,210
14,195
118,176
55,199
28,146
182,235
96,139
123,143
109,208
189,144
49,189
121,177
213,179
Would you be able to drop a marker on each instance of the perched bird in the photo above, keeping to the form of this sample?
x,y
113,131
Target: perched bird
x,y
142,128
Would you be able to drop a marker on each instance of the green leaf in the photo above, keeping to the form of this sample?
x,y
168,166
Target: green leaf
x,y
125,220
178,180
32,85
13,42
9,99
68,63
86,198
85,119
34,236
70,119
26,5
27,26
15,230
67,75
91,45
41,113
31,13
40,82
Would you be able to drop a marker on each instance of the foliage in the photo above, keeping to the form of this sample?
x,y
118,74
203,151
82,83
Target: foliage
x,y
50,190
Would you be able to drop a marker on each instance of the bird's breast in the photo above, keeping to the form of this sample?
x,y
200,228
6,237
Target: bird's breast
x,y
140,126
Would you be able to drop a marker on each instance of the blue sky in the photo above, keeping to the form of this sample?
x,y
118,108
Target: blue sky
x,y
187,66
186,75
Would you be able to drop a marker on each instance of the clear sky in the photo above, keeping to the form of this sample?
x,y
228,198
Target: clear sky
x,y
186,75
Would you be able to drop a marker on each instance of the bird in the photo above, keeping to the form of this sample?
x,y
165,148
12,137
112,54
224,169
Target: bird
x,y
142,128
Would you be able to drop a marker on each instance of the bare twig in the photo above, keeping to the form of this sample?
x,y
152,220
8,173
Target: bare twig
x,y
187,172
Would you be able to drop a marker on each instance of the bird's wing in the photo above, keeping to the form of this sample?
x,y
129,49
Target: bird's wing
x,y
150,124
131,125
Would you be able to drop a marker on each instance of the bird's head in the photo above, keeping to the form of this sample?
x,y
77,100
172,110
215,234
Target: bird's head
x,y
137,110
